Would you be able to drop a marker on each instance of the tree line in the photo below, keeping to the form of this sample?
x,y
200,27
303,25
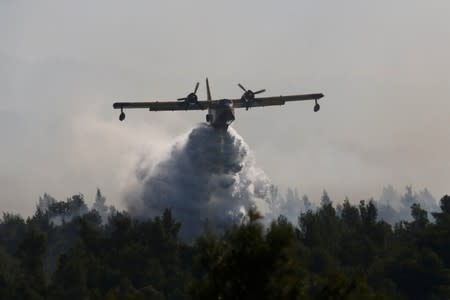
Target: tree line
x,y
67,251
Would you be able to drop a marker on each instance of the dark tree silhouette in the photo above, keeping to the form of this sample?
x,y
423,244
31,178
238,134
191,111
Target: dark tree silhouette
x,y
66,251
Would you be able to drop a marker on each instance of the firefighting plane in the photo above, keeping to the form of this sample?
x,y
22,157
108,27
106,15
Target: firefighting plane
x,y
220,112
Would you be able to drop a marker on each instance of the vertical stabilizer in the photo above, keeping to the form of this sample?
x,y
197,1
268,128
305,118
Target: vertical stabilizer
x,y
208,91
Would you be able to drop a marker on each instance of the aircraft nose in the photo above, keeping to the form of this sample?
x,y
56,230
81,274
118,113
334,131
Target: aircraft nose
x,y
228,116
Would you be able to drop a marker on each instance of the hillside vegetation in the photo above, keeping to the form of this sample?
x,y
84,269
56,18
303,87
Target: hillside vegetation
x,y
66,251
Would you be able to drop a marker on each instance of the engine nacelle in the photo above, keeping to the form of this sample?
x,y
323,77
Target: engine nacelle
x,y
192,98
249,96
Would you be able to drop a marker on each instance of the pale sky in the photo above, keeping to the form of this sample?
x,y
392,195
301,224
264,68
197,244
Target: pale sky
x,y
383,66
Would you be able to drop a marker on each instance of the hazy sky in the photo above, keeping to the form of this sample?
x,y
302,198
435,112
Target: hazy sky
x,y
384,67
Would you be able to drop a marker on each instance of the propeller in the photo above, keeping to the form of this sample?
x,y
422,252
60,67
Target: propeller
x,y
249,95
192,97
196,87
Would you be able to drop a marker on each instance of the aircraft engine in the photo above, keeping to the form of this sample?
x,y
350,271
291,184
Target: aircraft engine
x,y
249,96
192,97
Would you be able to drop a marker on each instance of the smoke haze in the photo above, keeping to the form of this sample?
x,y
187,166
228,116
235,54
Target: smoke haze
x,y
209,177
382,65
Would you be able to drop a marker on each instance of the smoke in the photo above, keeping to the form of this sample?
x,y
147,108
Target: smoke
x,y
394,207
60,212
209,177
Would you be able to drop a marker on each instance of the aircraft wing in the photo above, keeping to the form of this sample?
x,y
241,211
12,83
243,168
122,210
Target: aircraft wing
x,y
162,105
278,100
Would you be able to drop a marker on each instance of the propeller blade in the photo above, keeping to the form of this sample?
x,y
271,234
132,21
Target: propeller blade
x,y
196,87
259,92
242,87
182,99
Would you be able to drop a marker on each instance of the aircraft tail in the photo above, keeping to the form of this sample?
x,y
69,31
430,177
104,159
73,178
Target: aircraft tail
x,y
208,91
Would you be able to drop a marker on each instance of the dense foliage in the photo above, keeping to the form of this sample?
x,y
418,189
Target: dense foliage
x,y
65,251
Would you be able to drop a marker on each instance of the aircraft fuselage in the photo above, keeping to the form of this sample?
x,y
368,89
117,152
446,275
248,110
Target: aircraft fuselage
x,y
221,115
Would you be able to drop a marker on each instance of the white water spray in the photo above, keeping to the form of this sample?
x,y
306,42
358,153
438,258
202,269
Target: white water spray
x,y
209,177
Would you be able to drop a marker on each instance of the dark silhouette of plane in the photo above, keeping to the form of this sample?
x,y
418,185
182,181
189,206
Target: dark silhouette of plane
x,y
220,112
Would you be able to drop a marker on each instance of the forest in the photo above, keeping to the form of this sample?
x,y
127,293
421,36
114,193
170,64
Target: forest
x,y
67,251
